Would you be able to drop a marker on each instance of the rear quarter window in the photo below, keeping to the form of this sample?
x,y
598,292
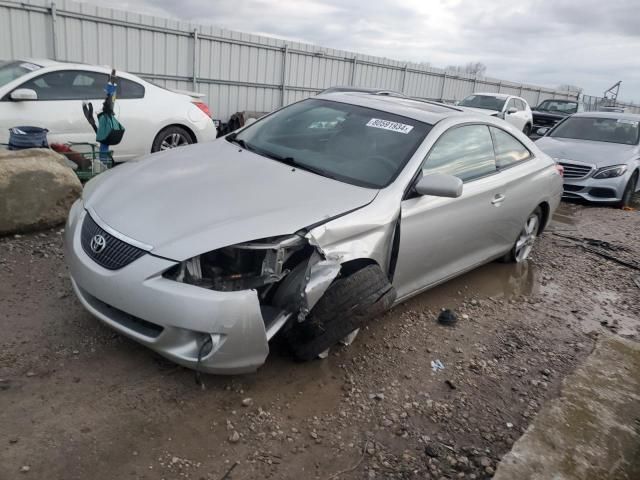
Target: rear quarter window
x,y
128,89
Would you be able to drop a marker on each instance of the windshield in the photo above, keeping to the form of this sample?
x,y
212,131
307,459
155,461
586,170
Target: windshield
x,y
598,129
12,70
349,143
559,107
486,102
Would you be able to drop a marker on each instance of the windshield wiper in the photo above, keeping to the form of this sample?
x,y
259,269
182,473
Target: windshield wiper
x,y
238,141
294,163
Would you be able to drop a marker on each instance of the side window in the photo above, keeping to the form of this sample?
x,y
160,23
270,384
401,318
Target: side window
x,y
519,105
465,152
68,85
512,104
508,149
129,89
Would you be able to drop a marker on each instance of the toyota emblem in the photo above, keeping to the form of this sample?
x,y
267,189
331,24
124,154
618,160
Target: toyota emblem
x,y
98,243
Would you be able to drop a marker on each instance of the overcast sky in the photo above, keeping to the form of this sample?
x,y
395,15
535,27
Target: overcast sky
x,y
589,43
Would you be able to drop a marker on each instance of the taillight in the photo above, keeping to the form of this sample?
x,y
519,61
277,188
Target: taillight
x,y
560,169
204,107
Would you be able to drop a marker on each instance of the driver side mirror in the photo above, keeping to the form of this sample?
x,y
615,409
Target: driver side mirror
x,y
22,94
512,110
439,185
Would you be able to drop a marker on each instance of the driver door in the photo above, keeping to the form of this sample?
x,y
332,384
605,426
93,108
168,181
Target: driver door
x,y
442,237
59,105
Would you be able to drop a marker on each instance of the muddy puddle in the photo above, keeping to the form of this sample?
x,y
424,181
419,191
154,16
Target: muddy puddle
x,y
601,310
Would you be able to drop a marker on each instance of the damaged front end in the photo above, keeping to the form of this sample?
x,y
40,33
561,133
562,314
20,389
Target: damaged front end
x,y
288,274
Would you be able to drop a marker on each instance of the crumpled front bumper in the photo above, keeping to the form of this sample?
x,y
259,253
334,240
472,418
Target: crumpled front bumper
x,y
174,319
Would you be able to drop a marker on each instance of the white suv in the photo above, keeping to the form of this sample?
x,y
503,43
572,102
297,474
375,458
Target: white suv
x,y
49,94
512,109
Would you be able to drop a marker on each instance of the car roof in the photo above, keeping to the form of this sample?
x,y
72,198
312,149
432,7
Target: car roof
x,y
376,91
42,62
493,94
423,110
565,100
614,115
46,63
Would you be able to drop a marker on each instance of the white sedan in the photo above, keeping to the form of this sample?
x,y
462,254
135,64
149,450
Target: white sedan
x,y
49,94
513,110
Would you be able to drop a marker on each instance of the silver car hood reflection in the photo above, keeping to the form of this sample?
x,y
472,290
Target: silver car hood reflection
x,y
211,195
600,154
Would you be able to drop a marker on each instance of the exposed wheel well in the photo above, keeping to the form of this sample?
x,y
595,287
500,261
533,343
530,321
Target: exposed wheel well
x,y
354,265
544,206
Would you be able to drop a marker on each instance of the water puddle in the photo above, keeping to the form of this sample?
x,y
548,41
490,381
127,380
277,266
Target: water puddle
x,y
495,280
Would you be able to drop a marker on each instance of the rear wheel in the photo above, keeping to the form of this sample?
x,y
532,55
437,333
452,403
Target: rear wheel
x,y
523,245
171,137
347,305
629,191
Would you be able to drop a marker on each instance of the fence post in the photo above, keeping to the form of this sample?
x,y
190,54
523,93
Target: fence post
x,y
283,82
54,30
404,78
353,71
538,97
195,59
444,81
499,86
475,82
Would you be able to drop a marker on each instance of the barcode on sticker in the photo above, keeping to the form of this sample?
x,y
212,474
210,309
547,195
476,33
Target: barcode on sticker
x,y
387,125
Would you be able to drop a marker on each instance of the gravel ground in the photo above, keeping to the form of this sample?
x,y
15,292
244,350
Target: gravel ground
x,y
78,401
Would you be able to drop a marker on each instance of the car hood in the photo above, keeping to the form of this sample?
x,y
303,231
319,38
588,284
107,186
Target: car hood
x,y
600,154
194,199
483,111
555,116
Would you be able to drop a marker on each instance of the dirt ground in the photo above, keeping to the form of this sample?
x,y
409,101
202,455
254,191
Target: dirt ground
x,y
78,401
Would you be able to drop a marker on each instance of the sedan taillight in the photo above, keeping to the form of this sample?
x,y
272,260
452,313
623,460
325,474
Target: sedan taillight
x,y
204,107
560,169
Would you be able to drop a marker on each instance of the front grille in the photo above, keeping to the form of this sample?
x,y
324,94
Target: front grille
x,y
572,170
115,254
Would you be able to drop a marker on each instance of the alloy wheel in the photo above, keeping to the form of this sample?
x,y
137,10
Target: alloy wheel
x,y
173,140
527,237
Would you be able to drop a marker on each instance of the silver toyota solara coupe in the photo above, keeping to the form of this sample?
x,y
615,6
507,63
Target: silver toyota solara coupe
x,y
308,222
600,153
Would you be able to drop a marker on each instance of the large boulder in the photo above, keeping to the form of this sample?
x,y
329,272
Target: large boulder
x,y
37,189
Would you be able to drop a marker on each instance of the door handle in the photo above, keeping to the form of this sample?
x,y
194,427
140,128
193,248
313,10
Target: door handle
x,y
498,199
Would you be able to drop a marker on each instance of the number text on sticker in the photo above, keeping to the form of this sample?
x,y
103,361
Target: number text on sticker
x,y
387,125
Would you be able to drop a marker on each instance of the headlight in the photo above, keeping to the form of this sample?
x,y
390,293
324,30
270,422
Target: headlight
x,y
610,172
245,266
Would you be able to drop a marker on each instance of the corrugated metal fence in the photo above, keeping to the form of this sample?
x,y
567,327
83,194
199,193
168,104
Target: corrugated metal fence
x,y
236,71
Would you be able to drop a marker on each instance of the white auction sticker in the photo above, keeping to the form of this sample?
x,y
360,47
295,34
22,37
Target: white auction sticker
x,y
387,125
29,66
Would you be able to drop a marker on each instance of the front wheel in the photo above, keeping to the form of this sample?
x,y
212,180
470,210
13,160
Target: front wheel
x,y
629,191
523,245
171,137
